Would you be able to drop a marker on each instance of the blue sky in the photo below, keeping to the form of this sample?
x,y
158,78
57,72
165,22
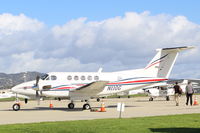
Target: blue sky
x,y
117,34
53,12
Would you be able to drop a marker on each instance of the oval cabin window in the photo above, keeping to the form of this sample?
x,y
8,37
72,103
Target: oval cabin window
x,y
82,77
96,77
53,77
69,77
75,77
89,77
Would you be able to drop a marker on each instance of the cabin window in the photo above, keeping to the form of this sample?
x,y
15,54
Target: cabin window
x,y
82,77
89,77
69,77
96,77
53,77
75,77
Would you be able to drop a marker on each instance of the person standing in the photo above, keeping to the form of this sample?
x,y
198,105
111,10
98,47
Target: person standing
x,y
189,92
177,93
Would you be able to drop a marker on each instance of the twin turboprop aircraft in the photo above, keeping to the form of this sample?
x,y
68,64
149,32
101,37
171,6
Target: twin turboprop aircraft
x,y
86,85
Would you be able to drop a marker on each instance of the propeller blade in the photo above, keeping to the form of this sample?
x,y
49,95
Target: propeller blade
x,y
37,80
38,97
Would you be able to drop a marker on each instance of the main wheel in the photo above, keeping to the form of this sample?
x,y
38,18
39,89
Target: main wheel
x,y
26,100
151,99
16,107
71,105
167,98
86,106
98,99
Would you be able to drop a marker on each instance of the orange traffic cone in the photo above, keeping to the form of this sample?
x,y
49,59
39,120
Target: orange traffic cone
x,y
195,101
50,105
102,109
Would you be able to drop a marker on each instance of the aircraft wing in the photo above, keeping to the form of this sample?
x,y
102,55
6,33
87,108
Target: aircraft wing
x,y
88,91
10,95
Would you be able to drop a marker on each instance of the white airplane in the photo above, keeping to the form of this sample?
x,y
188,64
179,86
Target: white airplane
x,y
165,90
86,85
10,94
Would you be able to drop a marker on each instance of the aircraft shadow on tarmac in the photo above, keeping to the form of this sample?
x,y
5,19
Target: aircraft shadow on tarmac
x,y
156,100
115,106
176,130
64,109
46,109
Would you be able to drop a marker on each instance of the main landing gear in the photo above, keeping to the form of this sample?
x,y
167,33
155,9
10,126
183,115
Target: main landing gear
x,y
167,98
98,99
151,99
86,106
71,105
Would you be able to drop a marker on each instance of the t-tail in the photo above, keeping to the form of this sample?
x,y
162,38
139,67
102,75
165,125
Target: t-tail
x,y
161,65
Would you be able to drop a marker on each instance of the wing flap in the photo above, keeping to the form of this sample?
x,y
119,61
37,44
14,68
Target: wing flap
x,y
89,90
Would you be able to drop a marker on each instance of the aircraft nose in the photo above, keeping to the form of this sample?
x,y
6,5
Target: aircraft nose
x,y
14,89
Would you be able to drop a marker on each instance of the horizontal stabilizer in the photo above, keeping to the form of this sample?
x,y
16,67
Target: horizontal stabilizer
x,y
178,48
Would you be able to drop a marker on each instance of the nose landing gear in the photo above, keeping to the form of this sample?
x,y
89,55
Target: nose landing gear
x,y
16,106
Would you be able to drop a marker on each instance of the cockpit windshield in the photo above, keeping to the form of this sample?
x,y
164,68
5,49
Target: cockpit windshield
x,y
43,77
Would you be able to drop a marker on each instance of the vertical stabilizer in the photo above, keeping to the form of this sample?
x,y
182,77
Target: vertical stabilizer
x,y
161,65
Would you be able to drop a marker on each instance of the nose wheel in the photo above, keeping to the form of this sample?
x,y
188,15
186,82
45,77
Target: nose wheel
x,y
16,106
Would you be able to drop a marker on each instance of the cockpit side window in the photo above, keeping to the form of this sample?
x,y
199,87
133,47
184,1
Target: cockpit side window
x,y
53,77
45,76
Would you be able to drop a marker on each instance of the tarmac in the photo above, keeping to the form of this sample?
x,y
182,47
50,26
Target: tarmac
x,y
134,107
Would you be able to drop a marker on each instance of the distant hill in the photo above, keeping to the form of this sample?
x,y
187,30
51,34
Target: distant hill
x,y
7,81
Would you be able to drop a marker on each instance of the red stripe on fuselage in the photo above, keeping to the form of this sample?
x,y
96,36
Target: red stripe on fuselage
x,y
138,81
63,88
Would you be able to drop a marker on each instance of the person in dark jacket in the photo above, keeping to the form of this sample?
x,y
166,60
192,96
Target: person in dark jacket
x,y
189,90
177,93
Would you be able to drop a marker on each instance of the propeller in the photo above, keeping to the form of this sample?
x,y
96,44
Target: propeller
x,y
37,89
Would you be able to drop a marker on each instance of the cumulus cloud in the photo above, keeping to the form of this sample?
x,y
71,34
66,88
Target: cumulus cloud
x,y
118,43
10,24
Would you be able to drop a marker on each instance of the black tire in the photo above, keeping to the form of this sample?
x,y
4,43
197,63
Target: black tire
x,y
16,107
71,105
151,99
98,99
26,100
86,106
167,98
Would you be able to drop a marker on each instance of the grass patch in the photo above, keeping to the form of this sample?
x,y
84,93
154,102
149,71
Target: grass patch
x,y
7,99
189,123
